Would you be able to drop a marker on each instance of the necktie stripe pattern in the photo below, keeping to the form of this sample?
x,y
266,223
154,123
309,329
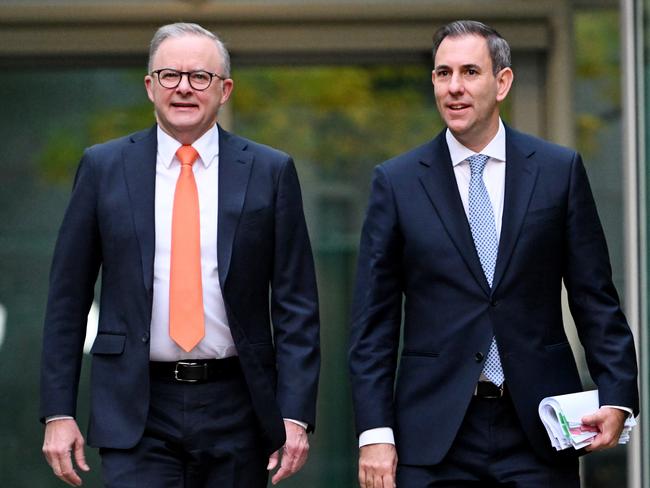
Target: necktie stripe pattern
x,y
186,319
484,233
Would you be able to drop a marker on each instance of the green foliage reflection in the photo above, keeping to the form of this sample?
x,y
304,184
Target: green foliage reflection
x,y
339,119
598,76
63,145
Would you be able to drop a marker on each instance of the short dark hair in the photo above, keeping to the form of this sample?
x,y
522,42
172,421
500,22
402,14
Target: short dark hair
x,y
497,46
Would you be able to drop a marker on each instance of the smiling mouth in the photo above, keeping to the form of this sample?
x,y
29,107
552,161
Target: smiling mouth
x,y
457,106
184,105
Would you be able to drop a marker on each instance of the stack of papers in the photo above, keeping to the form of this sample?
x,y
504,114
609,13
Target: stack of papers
x,y
562,414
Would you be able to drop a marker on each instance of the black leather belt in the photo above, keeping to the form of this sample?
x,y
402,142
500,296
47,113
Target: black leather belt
x,y
195,370
487,389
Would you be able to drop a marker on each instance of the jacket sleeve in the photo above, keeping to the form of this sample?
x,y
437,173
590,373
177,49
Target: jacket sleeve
x,y
376,310
294,304
594,303
74,270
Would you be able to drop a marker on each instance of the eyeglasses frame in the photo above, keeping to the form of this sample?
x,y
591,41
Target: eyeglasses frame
x,y
189,80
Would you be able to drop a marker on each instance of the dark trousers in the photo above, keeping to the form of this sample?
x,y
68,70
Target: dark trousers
x,y
491,450
196,436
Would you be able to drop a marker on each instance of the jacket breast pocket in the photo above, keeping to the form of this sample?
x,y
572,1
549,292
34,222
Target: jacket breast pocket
x,y
256,217
109,344
255,228
541,215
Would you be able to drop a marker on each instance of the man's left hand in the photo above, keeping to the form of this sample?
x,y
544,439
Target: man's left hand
x,y
609,422
294,453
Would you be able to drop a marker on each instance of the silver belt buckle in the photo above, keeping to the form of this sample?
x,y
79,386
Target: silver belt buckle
x,y
189,364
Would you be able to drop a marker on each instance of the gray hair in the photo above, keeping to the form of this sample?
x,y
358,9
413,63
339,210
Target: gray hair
x,y
181,29
497,46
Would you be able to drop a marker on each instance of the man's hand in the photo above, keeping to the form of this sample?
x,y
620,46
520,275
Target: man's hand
x,y
62,438
377,466
609,422
294,453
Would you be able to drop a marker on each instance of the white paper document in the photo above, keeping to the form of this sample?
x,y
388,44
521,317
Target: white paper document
x,y
562,415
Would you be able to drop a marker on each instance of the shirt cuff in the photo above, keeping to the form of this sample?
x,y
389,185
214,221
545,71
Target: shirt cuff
x,y
57,417
625,409
380,435
300,423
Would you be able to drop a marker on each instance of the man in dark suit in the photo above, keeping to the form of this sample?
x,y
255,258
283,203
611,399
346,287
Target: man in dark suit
x,y
206,361
472,235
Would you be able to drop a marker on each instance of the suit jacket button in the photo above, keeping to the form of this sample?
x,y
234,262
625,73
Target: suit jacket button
x,y
479,357
145,337
493,303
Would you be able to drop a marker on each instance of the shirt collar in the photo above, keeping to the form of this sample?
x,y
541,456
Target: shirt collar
x,y
207,146
496,148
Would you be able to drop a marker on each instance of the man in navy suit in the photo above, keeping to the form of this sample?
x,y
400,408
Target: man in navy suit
x,y
471,235
240,400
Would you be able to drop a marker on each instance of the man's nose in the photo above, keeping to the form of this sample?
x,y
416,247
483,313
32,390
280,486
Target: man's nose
x,y
184,85
456,83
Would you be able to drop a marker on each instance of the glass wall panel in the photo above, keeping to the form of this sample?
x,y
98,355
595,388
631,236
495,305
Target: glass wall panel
x,y
49,117
599,139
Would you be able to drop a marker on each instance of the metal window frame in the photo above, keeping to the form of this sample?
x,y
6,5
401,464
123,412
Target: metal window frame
x,y
635,215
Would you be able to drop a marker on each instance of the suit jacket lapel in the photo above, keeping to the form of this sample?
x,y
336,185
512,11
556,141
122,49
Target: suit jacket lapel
x,y
234,170
521,174
439,182
140,174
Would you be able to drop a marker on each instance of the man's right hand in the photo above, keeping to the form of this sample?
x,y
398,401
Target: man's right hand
x,y
62,438
377,466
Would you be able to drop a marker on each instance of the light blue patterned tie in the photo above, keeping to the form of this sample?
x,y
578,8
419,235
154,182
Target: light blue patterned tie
x,y
484,233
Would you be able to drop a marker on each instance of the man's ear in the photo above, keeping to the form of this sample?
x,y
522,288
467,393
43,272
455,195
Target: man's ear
x,y
148,81
227,88
504,82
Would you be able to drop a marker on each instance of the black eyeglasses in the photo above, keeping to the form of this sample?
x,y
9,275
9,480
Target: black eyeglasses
x,y
199,80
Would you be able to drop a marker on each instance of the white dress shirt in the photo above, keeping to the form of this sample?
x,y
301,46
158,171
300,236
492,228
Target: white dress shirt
x,y
218,342
494,173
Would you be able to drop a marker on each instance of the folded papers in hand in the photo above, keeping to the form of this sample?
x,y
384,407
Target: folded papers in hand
x,y
562,415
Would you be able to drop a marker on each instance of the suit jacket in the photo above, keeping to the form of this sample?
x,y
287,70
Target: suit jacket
x,y
416,245
266,274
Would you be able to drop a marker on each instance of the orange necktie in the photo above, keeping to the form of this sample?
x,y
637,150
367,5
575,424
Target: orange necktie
x,y
186,323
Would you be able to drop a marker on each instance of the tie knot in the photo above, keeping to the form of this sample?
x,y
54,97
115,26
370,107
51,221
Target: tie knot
x,y
187,155
477,163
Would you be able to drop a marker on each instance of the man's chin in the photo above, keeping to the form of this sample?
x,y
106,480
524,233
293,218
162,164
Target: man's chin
x,y
457,129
